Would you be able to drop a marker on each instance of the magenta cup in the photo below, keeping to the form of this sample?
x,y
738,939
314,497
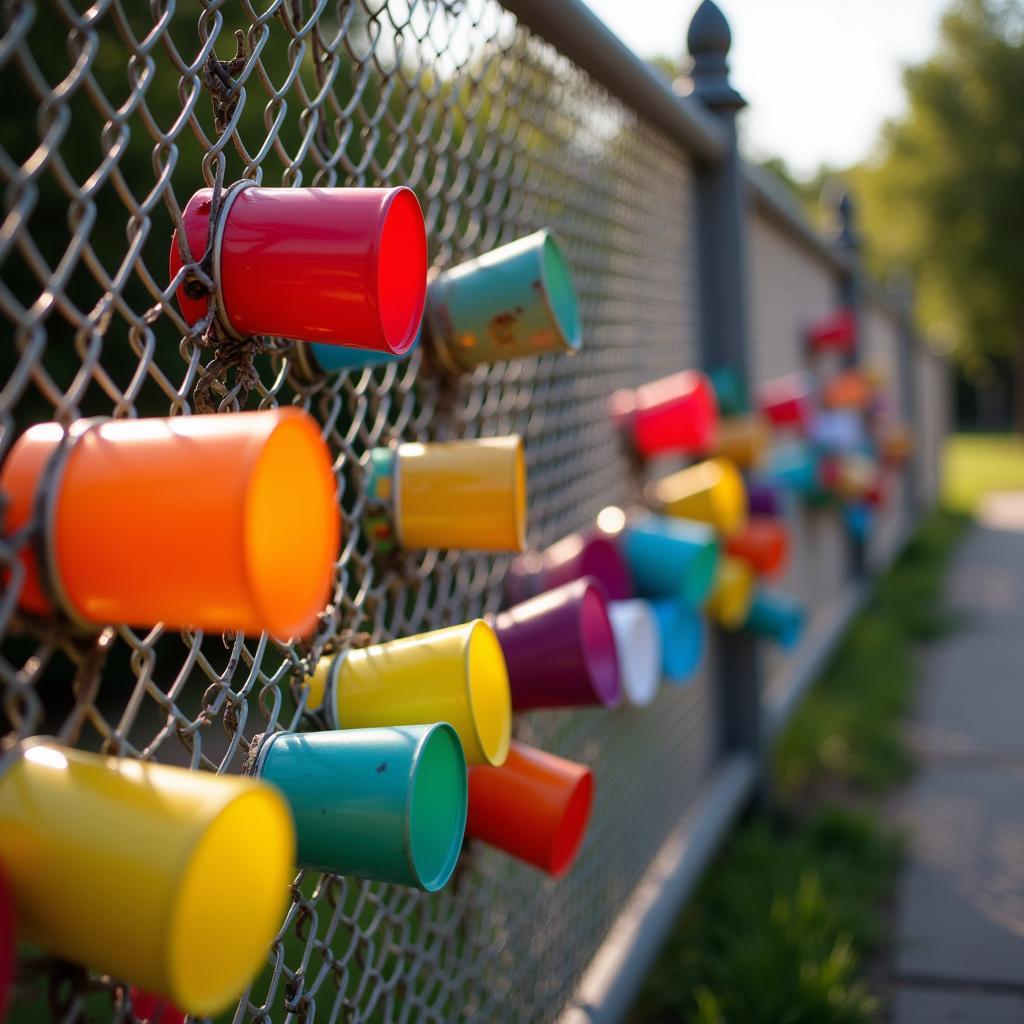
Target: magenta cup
x,y
764,499
572,558
560,649
683,635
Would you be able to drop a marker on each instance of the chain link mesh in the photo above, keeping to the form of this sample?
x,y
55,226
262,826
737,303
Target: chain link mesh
x,y
110,129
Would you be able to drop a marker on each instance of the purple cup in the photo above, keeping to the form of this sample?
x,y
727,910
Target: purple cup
x,y
764,499
560,649
572,558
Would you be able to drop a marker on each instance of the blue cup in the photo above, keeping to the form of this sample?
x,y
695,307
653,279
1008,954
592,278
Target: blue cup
x,y
776,616
859,519
671,557
683,635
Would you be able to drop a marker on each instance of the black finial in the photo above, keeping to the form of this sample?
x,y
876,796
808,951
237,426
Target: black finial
x,y
847,210
708,39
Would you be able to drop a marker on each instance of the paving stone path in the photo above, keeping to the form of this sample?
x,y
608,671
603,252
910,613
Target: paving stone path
x,y
960,922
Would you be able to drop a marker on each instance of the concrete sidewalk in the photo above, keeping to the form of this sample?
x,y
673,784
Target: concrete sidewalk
x,y
960,918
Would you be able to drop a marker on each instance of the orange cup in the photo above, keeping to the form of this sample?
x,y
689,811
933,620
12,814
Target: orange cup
x,y
535,807
224,522
847,390
763,543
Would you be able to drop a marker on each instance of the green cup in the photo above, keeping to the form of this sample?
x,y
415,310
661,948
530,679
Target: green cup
x,y
386,804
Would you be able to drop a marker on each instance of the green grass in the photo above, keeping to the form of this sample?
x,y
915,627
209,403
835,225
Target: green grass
x,y
976,463
781,927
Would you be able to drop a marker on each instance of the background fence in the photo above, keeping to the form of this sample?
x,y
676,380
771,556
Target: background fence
x,y
503,120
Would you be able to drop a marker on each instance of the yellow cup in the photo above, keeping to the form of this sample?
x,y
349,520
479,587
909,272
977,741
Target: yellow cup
x,y
733,593
743,439
455,675
468,495
175,881
711,491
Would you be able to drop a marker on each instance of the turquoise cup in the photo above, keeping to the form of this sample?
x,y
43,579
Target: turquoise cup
x,y
776,616
730,391
386,804
315,359
671,557
683,634
794,467
513,302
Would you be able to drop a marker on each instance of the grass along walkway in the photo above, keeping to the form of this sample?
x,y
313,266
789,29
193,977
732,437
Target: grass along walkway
x,y
782,927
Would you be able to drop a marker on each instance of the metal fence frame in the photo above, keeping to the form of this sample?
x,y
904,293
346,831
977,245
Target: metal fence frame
x,y
755,695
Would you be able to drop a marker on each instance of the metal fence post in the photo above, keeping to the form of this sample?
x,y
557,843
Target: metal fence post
x,y
721,236
851,297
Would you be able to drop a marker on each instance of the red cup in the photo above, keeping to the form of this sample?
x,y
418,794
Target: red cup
x,y
536,807
339,266
763,543
676,414
837,331
787,401
155,1009
6,943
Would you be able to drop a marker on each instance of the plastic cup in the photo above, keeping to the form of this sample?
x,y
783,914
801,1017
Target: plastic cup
x,y
120,865
730,600
222,522
456,675
461,495
850,477
896,443
764,499
836,332
743,439
847,390
763,544
340,266
787,401
7,931
572,558
387,804
859,518
676,414
730,391
514,302
535,807
639,648
155,1009
314,360
710,492
776,616
796,467
683,636
560,649
838,430
671,557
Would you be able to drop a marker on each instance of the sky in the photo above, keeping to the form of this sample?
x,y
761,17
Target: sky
x,y
821,76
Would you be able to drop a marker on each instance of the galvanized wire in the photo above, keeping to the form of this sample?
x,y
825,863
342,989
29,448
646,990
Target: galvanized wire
x,y
109,130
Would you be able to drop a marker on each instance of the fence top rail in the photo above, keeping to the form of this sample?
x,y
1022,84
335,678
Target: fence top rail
x,y
579,34
574,30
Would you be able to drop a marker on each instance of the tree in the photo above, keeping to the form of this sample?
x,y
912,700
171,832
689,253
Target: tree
x,y
945,196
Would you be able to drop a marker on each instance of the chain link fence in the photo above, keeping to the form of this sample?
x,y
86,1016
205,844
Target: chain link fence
x,y
116,113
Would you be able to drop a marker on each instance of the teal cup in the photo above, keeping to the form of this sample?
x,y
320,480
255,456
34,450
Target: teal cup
x,y
386,804
795,467
776,616
683,634
730,392
859,519
513,302
671,557
315,359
